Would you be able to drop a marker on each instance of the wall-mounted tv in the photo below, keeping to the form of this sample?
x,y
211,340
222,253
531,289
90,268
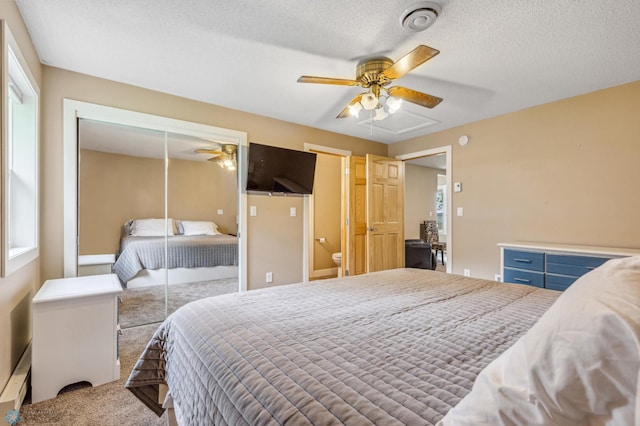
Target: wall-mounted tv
x,y
280,170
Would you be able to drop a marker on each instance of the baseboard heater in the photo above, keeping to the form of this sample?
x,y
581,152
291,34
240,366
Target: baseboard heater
x,y
16,388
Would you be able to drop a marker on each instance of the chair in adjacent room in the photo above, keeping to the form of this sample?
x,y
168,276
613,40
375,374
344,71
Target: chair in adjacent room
x,y
418,254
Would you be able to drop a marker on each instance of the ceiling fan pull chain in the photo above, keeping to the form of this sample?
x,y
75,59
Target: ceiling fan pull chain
x,y
371,123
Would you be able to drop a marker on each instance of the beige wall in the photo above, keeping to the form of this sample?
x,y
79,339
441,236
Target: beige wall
x,y
280,235
421,185
17,290
273,220
115,188
198,189
564,172
326,203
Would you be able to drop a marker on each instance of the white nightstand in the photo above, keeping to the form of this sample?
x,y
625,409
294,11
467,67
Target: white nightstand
x,y
75,333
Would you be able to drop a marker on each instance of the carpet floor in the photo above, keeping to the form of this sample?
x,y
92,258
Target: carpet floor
x,y
108,404
146,305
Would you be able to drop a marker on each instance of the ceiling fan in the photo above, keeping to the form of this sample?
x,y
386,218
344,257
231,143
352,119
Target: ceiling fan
x,y
375,74
225,156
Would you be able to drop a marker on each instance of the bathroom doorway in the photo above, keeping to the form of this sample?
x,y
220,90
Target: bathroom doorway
x,y
323,210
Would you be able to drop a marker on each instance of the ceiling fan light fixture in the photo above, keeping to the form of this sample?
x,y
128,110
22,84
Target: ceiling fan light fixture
x,y
224,157
381,114
227,163
393,104
369,101
420,16
354,109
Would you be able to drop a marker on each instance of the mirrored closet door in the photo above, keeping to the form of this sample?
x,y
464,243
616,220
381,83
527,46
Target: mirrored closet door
x,y
154,210
202,199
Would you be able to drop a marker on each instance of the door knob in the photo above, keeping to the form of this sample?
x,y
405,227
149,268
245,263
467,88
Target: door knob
x,y
371,228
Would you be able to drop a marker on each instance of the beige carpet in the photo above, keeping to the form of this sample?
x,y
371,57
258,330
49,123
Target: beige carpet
x,y
146,305
108,404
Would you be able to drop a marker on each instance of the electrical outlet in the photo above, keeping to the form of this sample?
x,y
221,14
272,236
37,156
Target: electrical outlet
x,y
497,277
269,277
467,273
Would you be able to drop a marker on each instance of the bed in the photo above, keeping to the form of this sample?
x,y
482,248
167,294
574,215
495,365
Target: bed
x,y
404,346
193,254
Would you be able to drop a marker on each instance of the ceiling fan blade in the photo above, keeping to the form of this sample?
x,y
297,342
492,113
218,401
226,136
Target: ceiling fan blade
x,y
414,96
416,57
208,151
327,80
345,111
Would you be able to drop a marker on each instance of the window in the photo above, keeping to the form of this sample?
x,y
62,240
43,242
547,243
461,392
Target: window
x,y
441,208
21,163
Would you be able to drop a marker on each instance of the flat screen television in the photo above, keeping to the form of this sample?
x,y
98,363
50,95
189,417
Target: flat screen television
x,y
280,170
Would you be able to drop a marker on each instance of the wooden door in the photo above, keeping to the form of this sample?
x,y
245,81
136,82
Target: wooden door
x,y
385,213
354,261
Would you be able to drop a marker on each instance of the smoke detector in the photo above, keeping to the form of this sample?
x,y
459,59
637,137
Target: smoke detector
x,y
420,16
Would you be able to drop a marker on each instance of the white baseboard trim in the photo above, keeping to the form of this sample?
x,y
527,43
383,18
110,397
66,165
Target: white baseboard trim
x,y
14,392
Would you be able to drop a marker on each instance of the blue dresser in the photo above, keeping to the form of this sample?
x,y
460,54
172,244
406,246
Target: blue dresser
x,y
553,266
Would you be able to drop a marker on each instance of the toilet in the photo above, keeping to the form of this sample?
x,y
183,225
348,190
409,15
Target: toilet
x,y
337,259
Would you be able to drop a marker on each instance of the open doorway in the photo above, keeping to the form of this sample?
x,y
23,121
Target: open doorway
x,y
428,200
323,227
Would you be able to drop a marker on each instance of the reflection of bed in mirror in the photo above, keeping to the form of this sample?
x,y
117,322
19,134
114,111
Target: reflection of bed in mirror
x,y
195,251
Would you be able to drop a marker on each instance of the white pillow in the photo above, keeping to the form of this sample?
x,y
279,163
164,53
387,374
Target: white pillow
x,y
127,228
578,365
194,227
151,228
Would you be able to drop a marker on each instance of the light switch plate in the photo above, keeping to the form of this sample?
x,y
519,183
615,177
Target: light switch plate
x,y
457,187
292,211
253,211
220,211
459,211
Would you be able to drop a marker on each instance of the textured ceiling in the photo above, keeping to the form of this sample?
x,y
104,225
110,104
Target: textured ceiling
x,y
496,56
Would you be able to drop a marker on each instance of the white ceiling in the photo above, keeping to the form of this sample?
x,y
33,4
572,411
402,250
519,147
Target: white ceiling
x,y
496,56
139,142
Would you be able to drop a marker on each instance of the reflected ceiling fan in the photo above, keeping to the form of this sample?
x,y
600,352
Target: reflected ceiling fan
x,y
225,156
375,74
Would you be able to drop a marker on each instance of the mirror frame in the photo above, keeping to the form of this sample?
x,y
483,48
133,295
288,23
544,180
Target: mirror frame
x,y
73,110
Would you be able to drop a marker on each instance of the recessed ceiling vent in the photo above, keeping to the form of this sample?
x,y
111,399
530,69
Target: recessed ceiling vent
x,y
420,16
